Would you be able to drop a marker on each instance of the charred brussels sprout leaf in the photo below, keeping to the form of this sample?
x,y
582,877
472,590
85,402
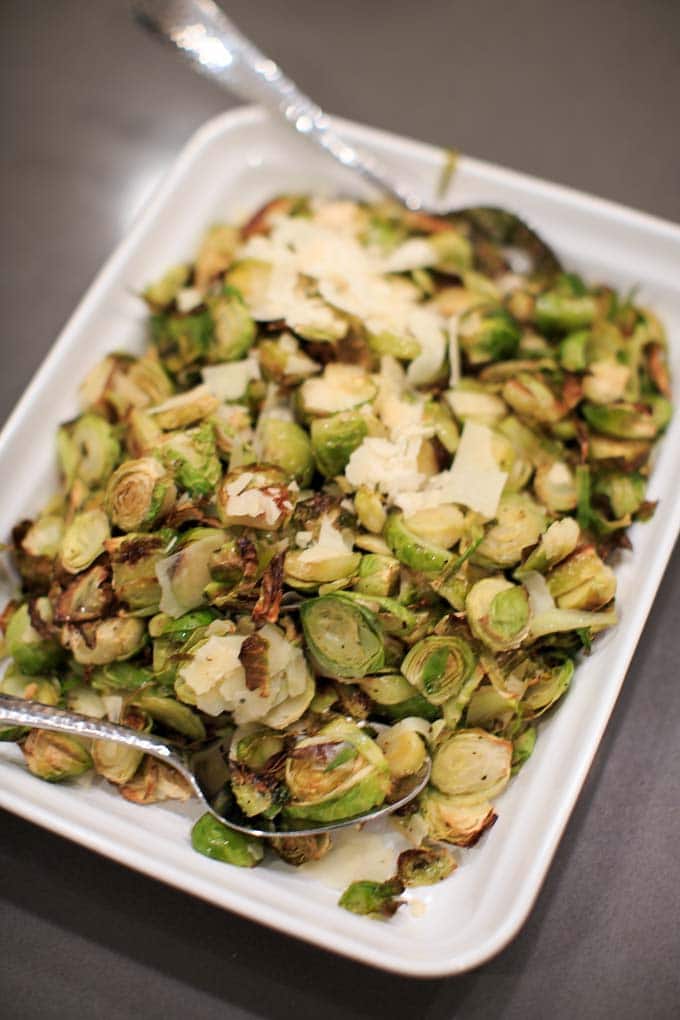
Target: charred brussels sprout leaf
x,y
379,900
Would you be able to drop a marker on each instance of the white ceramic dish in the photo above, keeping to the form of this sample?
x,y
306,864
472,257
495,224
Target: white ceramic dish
x,y
233,163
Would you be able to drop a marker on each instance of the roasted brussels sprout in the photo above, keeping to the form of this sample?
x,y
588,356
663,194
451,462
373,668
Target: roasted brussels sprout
x,y
487,334
439,667
343,638
213,839
139,493
55,756
498,613
472,764
414,552
336,774
425,865
287,446
33,653
334,439
357,503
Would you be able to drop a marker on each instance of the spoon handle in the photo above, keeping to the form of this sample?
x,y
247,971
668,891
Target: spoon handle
x,y
206,37
45,717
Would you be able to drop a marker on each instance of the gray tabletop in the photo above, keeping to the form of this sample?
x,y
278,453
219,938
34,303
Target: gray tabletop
x,y
94,113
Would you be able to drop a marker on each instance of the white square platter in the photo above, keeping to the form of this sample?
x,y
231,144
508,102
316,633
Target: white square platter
x,y
232,164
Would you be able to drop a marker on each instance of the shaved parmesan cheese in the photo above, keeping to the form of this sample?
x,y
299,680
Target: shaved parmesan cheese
x,y
389,466
230,381
254,504
331,543
188,298
416,253
426,327
475,404
474,480
340,388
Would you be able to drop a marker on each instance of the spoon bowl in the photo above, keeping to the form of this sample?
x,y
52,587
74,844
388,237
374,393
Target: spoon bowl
x,y
200,778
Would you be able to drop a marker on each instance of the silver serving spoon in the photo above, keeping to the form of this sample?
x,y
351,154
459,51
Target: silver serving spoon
x,y
31,713
207,38
213,45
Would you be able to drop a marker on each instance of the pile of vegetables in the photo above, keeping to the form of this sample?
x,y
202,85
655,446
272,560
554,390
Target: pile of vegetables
x,y
372,468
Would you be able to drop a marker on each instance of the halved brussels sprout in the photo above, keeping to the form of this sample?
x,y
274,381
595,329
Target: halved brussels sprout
x,y
139,493
557,312
411,550
490,708
523,748
234,329
84,540
192,457
440,526
344,638
471,401
373,899
171,714
519,524
133,563
88,450
337,773
32,688
404,748
549,685
425,865
395,698
334,565
33,653
439,667
298,850
55,756
287,446
87,597
341,387
370,510
558,542
216,253
181,340
334,439
284,362
555,486
34,548
625,452
162,292
378,575
487,334
116,762
472,764
94,644
155,781
582,581
622,420
116,676
625,493
498,613
217,841
186,408
454,819
530,396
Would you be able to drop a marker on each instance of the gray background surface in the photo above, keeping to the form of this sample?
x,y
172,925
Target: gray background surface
x,y
93,114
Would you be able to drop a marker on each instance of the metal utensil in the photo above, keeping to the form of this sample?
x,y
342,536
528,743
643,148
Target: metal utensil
x,y
30,713
210,41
